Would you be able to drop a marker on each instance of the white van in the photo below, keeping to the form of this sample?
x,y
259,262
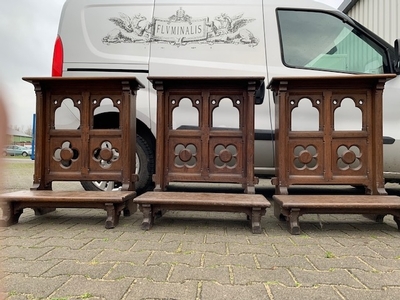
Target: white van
x,y
220,38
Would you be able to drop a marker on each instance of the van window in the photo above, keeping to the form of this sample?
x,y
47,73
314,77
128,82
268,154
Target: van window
x,y
318,40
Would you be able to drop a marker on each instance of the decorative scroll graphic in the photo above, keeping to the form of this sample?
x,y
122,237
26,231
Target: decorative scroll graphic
x,y
181,29
105,155
66,154
185,156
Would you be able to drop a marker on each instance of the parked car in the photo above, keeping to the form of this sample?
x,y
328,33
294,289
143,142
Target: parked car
x,y
13,150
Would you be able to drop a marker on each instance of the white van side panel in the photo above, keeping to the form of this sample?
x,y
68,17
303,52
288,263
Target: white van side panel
x,y
107,35
208,38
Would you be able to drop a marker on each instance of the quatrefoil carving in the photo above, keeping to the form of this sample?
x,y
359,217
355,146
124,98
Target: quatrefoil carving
x,y
105,154
305,157
185,156
225,157
66,154
349,157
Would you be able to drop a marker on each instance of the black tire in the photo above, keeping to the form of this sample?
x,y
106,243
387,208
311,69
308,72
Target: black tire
x,y
145,169
24,154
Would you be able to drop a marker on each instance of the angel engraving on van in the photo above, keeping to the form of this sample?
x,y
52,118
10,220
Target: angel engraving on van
x,y
182,29
136,29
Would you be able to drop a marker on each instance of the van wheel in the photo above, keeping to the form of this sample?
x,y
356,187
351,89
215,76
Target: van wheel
x,y
144,169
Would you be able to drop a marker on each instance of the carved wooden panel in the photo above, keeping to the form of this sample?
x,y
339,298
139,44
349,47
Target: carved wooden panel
x,y
325,153
200,150
79,150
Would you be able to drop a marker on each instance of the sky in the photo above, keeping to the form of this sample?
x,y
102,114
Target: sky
x,y
28,29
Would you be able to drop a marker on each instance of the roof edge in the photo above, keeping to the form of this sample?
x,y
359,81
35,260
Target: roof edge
x,y
347,5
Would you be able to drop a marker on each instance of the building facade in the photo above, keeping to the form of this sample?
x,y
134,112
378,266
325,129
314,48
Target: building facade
x,y
379,16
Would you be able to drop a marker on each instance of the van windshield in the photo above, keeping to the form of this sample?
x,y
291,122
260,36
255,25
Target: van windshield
x,y
318,40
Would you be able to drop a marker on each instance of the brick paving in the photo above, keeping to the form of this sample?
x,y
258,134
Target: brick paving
x,y
68,254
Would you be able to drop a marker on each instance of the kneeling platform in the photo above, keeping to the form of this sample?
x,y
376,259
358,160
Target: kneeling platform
x,y
254,206
293,206
43,201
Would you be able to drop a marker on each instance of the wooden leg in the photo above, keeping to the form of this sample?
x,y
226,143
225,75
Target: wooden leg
x,y
130,208
40,211
281,190
111,215
294,227
10,216
148,218
118,209
376,218
397,220
249,189
278,213
256,220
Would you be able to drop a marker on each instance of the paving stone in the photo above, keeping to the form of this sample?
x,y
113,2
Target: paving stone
x,y
27,253
268,262
12,231
243,276
243,260
387,252
235,248
187,258
28,267
305,240
146,289
111,255
22,242
309,278
382,264
147,245
124,270
378,280
173,237
367,294
211,290
106,243
312,293
182,273
66,253
80,287
141,235
100,234
53,233
38,287
365,241
352,251
218,248
300,250
87,269
349,262
261,239
389,241
63,242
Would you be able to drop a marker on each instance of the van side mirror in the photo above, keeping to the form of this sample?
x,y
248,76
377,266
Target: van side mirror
x,y
397,58
260,94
